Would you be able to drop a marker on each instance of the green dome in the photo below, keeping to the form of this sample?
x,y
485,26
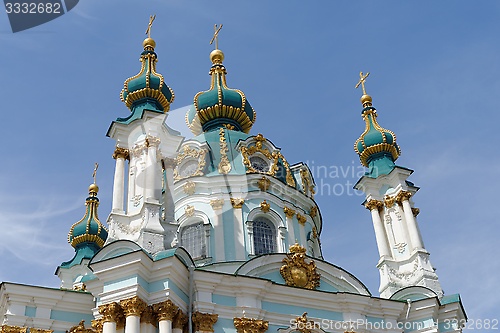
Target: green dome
x,y
89,229
375,140
147,85
220,105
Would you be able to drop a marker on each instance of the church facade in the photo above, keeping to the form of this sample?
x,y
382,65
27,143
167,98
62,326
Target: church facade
x,y
220,233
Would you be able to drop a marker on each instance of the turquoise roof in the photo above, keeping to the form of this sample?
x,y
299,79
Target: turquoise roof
x,y
220,105
147,85
376,147
89,232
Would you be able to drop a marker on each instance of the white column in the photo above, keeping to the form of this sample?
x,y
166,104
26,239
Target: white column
x,y
152,170
169,190
415,238
120,155
378,226
109,327
251,249
289,213
239,235
217,205
165,326
132,324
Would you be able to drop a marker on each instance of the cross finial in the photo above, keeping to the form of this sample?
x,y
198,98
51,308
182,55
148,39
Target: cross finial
x,y
216,36
362,79
148,30
96,165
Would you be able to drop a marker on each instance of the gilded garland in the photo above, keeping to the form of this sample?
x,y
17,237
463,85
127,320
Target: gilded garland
x,y
296,272
186,154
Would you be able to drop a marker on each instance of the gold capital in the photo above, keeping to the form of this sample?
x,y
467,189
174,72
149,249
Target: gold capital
x,y
133,306
110,312
289,212
121,153
97,325
204,322
12,329
302,219
165,310
374,204
237,202
39,330
148,316
180,320
403,196
249,325
217,203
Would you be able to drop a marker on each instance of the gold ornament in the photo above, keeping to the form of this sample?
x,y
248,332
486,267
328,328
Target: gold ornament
x,y
180,320
189,210
374,204
403,196
302,219
415,211
389,201
97,325
80,328
133,306
111,312
265,207
190,153
121,153
314,232
303,324
313,212
296,272
217,203
249,325
204,321
40,330
165,310
189,187
224,164
288,212
148,316
264,184
237,202
12,329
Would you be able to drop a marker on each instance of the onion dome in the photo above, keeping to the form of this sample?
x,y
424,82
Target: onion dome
x,y
220,106
375,143
89,231
147,85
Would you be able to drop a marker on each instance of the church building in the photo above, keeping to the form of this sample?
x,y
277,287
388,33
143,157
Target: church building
x,y
221,233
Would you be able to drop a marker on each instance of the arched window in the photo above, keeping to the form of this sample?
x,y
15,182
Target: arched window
x,y
193,239
264,236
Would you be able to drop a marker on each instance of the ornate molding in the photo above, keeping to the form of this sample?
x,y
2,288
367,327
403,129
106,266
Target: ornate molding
x,y
189,210
110,312
249,325
303,324
217,203
237,202
190,153
12,329
97,324
296,272
274,157
264,183
374,204
289,212
133,306
265,206
204,322
189,187
121,153
224,164
403,196
302,219
148,316
165,310
180,320
80,328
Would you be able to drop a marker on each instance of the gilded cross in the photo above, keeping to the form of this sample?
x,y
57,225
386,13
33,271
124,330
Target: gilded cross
x,y
148,30
216,36
362,79
95,171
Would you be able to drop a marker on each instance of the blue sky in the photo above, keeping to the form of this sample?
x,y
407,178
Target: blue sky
x,y
434,79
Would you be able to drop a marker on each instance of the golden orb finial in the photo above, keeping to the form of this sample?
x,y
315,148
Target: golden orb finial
x,y
149,44
366,100
216,56
93,188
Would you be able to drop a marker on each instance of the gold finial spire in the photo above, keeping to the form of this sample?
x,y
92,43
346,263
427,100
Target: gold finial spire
x,y
148,30
216,36
362,79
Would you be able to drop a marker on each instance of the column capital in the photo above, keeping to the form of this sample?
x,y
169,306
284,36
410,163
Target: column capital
x,y
12,329
121,153
133,306
301,218
403,196
97,325
217,203
237,202
148,316
152,141
249,325
180,320
169,163
165,310
374,204
39,330
204,321
289,212
110,312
